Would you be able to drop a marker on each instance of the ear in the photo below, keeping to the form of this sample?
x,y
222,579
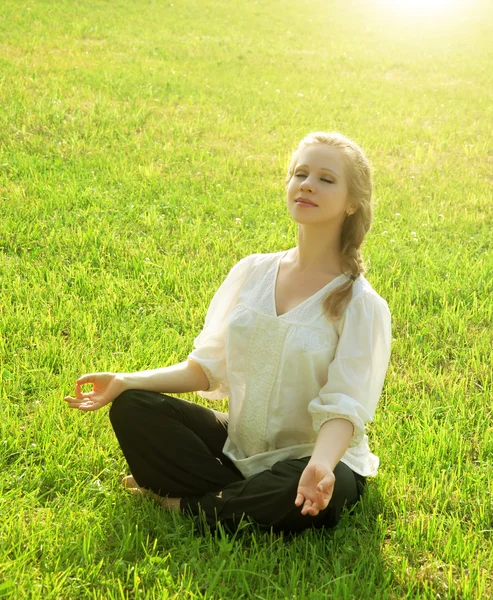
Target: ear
x,y
350,210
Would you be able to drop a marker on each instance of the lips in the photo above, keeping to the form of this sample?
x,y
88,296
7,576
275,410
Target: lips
x,y
305,201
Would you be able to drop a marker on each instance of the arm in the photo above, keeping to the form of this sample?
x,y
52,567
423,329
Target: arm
x,y
184,377
356,374
332,442
204,370
317,481
348,401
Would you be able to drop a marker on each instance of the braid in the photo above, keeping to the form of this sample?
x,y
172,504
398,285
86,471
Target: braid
x,y
351,239
352,235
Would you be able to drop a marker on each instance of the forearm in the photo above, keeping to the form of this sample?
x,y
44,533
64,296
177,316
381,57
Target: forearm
x,y
184,377
332,442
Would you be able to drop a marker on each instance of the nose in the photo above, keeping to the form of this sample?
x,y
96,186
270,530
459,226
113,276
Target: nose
x,y
306,186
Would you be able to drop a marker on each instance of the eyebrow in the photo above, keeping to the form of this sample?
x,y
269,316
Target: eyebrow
x,y
322,169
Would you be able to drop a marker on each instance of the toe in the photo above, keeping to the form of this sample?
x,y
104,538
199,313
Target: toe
x,y
129,482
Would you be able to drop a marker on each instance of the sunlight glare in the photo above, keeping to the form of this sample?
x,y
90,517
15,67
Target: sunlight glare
x,y
422,7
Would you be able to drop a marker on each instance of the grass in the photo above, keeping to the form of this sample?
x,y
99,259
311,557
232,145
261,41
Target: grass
x,y
143,147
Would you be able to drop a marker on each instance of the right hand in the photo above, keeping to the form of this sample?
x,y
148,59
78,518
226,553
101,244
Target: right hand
x,y
105,388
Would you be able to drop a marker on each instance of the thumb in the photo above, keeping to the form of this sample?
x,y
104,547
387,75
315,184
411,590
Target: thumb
x,y
326,487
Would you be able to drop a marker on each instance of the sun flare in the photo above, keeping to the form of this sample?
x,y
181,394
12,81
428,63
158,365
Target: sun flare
x,y
422,7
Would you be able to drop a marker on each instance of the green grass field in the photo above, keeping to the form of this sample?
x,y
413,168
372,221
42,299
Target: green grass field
x,y
143,147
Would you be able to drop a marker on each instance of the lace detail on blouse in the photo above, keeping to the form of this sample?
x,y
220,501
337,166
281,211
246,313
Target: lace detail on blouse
x,y
263,363
261,297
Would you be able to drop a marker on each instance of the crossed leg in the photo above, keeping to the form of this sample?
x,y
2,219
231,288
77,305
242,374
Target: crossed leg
x,y
174,451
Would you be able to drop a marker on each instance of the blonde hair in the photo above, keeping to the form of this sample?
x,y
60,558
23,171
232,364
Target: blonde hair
x,y
357,224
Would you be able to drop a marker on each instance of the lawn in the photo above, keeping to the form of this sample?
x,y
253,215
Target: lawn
x,y
143,148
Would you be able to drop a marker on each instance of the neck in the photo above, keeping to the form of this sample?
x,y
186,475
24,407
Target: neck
x,y
318,250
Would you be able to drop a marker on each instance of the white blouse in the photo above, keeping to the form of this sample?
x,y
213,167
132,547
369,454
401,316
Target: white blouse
x,y
287,375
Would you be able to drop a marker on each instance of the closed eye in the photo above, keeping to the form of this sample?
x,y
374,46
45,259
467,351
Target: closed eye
x,y
304,175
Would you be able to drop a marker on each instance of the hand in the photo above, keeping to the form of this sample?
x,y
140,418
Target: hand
x,y
106,387
315,488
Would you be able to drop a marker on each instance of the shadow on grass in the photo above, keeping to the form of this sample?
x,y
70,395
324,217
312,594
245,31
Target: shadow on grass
x,y
156,550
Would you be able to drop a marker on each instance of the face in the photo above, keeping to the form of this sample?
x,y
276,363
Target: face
x,y
317,191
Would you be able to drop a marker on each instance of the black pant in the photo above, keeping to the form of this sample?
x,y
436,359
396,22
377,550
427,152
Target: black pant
x,y
174,448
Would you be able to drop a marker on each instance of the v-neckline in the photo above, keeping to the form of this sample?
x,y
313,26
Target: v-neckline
x,y
295,308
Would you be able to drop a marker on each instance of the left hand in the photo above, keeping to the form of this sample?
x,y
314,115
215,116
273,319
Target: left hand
x,y
315,488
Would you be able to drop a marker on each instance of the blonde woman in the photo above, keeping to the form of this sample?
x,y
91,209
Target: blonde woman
x,y
300,343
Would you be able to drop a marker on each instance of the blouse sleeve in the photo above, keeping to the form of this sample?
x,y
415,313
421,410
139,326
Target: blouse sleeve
x,y
357,372
209,346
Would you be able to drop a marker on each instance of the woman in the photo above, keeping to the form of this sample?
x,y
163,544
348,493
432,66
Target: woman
x,y
299,342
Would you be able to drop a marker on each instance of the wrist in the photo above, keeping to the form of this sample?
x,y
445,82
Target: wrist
x,y
319,459
124,381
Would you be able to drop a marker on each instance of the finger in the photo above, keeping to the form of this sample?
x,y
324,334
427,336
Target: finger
x,y
74,401
77,405
79,394
88,378
83,404
326,482
306,507
326,486
82,398
89,406
312,510
323,498
299,499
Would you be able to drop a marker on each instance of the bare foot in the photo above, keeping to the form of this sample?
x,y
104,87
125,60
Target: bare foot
x,y
133,487
166,502
129,482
